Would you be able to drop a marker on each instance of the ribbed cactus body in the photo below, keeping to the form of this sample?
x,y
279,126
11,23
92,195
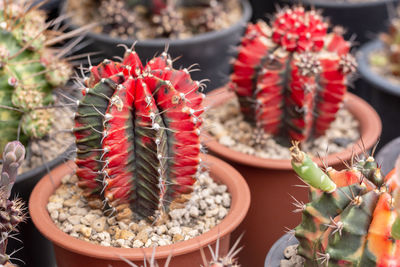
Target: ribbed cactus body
x,y
291,77
137,133
28,72
350,226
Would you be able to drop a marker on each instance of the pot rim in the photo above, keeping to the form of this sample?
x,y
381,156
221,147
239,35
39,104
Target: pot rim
x,y
371,76
345,5
161,42
370,124
240,204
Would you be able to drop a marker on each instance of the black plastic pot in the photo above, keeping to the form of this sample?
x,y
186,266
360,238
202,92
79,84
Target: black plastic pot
x,y
388,155
364,19
51,7
263,9
275,254
35,250
381,93
212,51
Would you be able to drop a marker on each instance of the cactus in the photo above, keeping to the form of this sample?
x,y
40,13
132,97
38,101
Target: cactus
x,y
291,77
137,134
228,260
350,217
29,70
11,211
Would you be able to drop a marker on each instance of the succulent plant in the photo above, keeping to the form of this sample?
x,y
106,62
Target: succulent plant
x,y
29,70
229,260
137,134
350,219
291,77
11,211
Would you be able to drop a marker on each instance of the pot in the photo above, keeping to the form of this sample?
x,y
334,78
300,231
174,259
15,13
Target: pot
x,y
212,50
37,250
262,9
382,94
275,254
272,181
72,252
388,155
364,19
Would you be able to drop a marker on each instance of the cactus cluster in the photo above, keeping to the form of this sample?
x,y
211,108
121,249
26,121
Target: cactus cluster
x,y
11,211
137,134
156,18
29,70
291,76
350,219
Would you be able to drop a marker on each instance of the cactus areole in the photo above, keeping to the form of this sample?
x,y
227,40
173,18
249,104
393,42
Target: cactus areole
x,y
353,216
291,77
137,134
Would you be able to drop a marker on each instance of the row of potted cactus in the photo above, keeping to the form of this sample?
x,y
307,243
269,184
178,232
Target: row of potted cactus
x,y
139,152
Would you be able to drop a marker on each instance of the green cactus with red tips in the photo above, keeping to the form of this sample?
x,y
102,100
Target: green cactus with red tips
x,y
29,70
137,133
291,77
11,211
350,219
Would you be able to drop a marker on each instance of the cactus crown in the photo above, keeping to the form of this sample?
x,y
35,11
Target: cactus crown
x,y
11,211
291,77
350,220
29,70
137,134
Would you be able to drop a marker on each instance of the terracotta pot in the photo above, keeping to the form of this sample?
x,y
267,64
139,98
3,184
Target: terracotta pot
x,y
272,181
71,252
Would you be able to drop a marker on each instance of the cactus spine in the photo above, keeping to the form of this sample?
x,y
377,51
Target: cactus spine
x,y
291,77
11,211
137,134
350,223
29,70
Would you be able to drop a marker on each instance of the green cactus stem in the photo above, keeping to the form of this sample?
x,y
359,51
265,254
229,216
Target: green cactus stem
x,y
309,171
396,225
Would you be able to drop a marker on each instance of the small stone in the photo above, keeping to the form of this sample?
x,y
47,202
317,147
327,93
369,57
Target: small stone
x,y
177,238
105,243
206,193
72,202
78,211
137,244
285,263
85,231
120,242
148,243
122,225
52,206
62,217
95,204
162,242
111,221
89,219
143,236
221,189
114,231
290,251
54,215
222,212
193,233
56,199
297,261
203,205
162,229
176,214
226,200
126,235
99,224
134,227
74,219
212,213
175,230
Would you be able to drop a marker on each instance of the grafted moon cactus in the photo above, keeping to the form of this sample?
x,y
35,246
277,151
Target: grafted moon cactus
x,y
291,77
350,219
11,211
137,133
29,70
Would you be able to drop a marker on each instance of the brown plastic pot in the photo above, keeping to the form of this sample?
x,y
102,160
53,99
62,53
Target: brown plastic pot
x,y
72,252
272,182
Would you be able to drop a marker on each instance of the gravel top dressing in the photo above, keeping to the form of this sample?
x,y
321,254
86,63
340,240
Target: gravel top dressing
x,y
83,219
226,124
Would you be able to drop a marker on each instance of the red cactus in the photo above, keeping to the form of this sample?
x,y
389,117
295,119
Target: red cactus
x,y
137,133
291,78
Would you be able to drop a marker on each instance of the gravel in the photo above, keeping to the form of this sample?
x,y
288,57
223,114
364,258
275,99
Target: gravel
x,y
74,215
291,257
227,125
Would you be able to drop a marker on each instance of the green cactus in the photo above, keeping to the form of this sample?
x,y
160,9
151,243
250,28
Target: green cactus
x,y
29,70
11,211
352,218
